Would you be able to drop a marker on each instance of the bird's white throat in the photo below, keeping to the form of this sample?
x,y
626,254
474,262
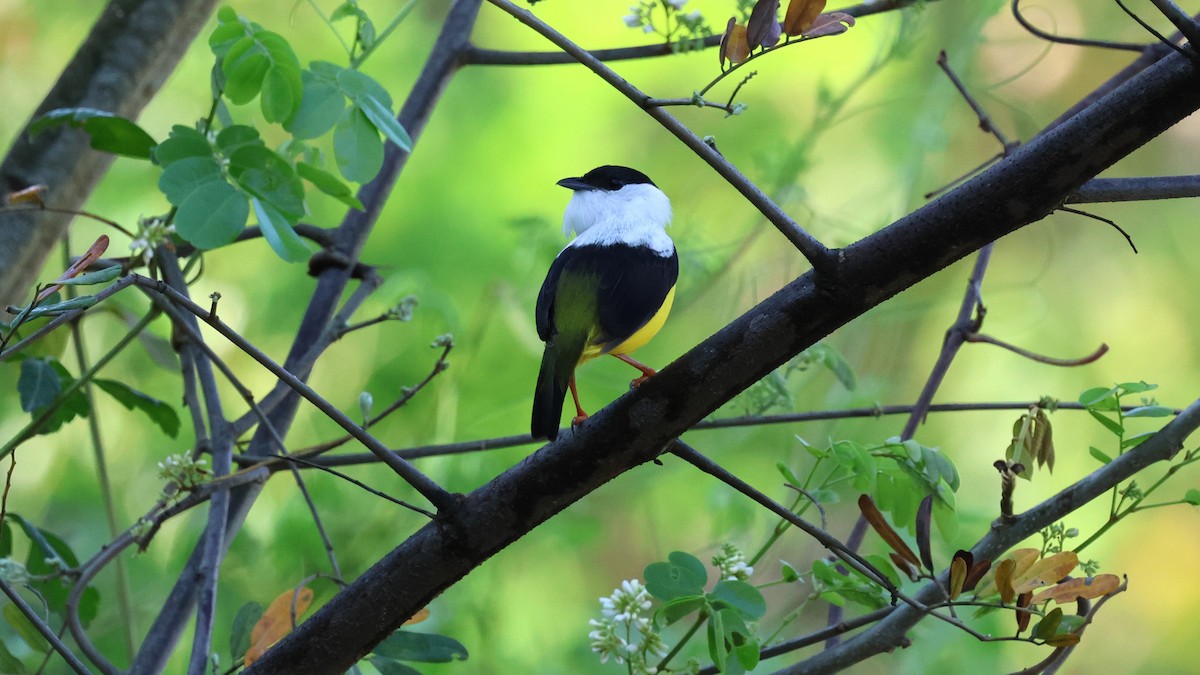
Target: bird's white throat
x,y
636,215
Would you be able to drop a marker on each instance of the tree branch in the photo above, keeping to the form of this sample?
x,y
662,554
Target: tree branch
x,y
1016,191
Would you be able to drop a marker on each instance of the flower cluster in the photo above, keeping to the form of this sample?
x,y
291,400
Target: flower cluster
x,y
152,232
187,473
732,563
689,29
624,631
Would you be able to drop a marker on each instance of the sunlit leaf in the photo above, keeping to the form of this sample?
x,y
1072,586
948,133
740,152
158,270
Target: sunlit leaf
x,y
276,622
958,575
1046,571
800,15
1079,589
734,47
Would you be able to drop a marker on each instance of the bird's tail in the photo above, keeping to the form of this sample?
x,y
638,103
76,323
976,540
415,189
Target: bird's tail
x,y
554,378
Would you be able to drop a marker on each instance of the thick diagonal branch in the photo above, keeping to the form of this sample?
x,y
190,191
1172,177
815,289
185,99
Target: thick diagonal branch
x,y
1017,191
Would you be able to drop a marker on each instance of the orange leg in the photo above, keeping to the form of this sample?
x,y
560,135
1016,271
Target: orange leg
x,y
580,415
647,371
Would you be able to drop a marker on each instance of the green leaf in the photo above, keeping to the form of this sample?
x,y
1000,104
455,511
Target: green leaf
x,y
6,541
108,132
38,384
212,215
321,106
244,66
160,413
329,184
1136,439
682,575
279,233
1192,497
237,136
1099,398
837,364
387,666
740,596
267,175
790,574
184,142
8,662
1150,411
227,33
24,628
421,647
243,624
1139,387
374,102
356,147
1099,455
100,276
281,94
46,547
183,177
680,607
1112,425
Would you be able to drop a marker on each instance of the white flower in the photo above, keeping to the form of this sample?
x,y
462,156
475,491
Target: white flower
x,y
632,20
677,4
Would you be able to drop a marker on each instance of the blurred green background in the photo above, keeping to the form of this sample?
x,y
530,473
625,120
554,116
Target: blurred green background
x,y
475,221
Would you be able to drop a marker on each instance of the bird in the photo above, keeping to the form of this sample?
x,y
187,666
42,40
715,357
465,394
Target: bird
x,y
609,290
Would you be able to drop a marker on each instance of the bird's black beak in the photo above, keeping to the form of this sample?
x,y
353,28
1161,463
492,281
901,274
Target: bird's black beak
x,y
576,184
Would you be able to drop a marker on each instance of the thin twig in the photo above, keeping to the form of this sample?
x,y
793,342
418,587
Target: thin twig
x,y
1182,21
1034,356
438,496
1106,221
821,258
36,621
1078,42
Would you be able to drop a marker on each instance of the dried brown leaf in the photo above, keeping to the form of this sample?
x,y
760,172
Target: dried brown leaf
x,y
800,15
884,530
1045,571
276,622
1079,589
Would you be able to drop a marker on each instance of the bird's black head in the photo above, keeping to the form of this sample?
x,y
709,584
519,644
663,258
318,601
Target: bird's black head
x,y
607,178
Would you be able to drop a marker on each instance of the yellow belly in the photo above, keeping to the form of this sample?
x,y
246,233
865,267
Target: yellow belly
x,y
641,337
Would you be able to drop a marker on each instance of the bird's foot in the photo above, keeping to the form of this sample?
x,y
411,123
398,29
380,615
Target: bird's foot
x,y
578,419
634,384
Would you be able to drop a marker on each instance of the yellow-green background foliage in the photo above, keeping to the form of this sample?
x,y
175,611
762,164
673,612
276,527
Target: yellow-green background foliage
x,y
474,222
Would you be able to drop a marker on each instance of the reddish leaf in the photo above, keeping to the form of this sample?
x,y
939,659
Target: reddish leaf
x,y
976,574
800,15
909,571
92,255
1079,589
885,531
1023,617
276,622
